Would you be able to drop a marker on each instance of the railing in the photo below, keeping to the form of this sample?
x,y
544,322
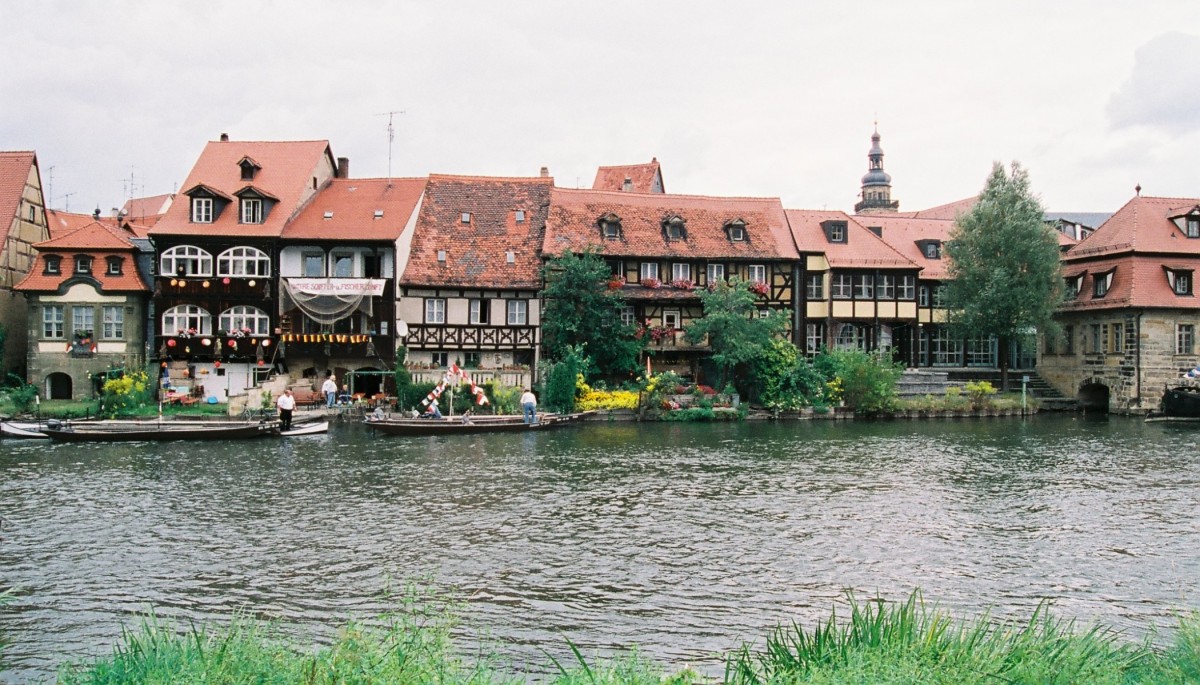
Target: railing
x,y
672,340
431,336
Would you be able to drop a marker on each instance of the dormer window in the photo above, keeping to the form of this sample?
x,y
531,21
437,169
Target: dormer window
x,y
249,168
1180,281
675,228
53,264
736,231
1193,227
610,226
114,266
930,249
835,231
252,210
1074,285
83,264
1101,283
202,210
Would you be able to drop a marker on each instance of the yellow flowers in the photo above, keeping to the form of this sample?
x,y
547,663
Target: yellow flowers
x,y
607,399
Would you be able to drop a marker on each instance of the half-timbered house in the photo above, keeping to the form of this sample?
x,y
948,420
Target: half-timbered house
x,y
22,223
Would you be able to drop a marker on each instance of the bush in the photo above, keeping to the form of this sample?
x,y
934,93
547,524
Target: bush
x,y
979,394
868,381
785,379
127,394
21,394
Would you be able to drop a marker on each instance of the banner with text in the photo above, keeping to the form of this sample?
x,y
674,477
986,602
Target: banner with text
x,y
338,286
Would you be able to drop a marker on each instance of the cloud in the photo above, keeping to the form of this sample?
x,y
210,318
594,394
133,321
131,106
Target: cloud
x,y
1161,92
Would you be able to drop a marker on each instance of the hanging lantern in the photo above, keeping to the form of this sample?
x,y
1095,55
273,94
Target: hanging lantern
x,y
261,362
233,344
251,283
266,343
217,364
205,341
225,280
174,282
253,341
205,284
171,343
188,349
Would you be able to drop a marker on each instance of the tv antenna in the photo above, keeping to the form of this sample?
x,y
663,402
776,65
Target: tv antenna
x,y
391,137
67,201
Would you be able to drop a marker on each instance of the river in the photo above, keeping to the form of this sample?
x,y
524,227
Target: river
x,y
684,540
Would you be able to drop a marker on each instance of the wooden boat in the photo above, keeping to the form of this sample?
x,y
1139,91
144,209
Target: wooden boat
x,y
1181,400
116,431
306,428
22,429
478,424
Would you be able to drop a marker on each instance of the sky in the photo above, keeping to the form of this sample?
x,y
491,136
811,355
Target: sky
x,y
762,99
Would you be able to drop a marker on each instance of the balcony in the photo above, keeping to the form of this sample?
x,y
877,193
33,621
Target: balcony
x,y
203,347
659,338
442,337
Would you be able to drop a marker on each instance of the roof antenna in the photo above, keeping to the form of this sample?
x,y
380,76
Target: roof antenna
x,y
391,137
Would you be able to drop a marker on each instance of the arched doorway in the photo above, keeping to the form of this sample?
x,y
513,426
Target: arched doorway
x,y
1093,397
58,386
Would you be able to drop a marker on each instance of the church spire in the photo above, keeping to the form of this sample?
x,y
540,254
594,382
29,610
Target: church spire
x,y
877,184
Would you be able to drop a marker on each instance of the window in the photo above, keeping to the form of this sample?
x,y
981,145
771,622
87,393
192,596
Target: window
x,y
981,351
114,322
1101,283
843,286
851,337
466,217
670,319
202,210
185,260
243,317
933,251
716,272
814,337
114,266
814,286
885,287
1185,338
52,321
243,261
435,310
628,316
610,226
1193,227
923,296
313,265
83,264
518,311
53,264
520,216
864,287
439,358
1095,339
939,295
737,233
252,210
478,312
944,350
1180,281
674,228
1074,285
1116,338
649,270
1068,339
907,285
343,265
185,317
681,272
757,273
837,233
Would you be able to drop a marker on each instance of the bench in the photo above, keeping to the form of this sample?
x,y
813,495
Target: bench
x,y
309,399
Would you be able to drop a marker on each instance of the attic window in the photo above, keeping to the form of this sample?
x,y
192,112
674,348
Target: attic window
x,y
520,215
1193,227
83,264
675,228
378,213
249,168
736,230
466,217
510,257
1180,281
610,226
53,264
835,231
328,215
441,255
933,251
202,210
114,266
1101,283
1074,285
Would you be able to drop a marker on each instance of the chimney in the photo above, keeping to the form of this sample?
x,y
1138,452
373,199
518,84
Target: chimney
x,y
224,137
627,186
545,173
96,214
343,170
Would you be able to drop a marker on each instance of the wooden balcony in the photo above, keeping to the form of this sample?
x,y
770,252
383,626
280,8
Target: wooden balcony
x,y
447,337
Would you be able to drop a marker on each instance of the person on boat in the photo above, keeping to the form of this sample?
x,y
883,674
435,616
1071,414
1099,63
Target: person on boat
x,y
376,415
286,403
529,406
433,412
466,418
329,387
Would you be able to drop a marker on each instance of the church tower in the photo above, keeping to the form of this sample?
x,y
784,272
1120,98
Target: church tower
x,y
877,184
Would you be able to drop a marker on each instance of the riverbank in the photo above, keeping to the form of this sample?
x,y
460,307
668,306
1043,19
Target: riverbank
x,y
869,642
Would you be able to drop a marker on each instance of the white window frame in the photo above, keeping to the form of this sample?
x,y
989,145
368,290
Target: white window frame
x,y
245,316
715,272
114,266
114,322
756,273
1185,338
1193,227
837,233
243,262
814,286
83,318
933,251
83,264
1101,283
252,210
671,319
907,287
53,321
648,270
336,257
841,286
435,310
53,264
202,210
681,271
185,316
478,312
885,287
518,312
814,337
864,286
628,316
196,262
737,233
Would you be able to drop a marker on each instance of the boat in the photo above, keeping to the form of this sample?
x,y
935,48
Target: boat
x,y
1181,399
116,431
476,424
21,429
310,428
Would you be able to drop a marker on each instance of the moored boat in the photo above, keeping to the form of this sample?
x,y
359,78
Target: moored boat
x,y
21,429
311,428
475,424
1182,400
117,431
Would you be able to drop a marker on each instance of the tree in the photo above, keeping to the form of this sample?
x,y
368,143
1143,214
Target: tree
x,y
580,309
736,333
1005,274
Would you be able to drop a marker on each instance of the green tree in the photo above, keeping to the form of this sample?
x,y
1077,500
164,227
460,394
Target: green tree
x,y
783,378
581,310
736,333
403,378
1005,274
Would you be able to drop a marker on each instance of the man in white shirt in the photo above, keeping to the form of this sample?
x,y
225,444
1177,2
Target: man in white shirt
x,y
529,406
286,403
329,387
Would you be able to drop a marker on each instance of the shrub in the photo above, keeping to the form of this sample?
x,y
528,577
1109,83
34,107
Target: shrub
x,y
868,381
562,378
980,394
607,399
126,394
21,394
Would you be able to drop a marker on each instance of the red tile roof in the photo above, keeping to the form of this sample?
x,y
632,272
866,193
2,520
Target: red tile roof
x,y
902,234
98,239
574,214
476,252
62,223
642,177
1142,225
14,172
353,204
1138,281
288,168
147,210
949,211
862,249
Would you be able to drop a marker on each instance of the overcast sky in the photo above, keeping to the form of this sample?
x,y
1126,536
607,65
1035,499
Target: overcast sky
x,y
770,99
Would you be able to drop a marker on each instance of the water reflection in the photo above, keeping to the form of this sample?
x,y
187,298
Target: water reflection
x,y
682,539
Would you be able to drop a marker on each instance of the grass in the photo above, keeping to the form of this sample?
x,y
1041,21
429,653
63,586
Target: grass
x,y
952,401
907,643
77,409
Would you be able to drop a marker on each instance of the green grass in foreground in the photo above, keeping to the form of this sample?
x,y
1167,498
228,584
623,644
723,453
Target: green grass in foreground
x,y
878,643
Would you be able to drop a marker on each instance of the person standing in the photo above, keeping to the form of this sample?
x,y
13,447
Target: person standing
x,y
329,387
529,406
286,403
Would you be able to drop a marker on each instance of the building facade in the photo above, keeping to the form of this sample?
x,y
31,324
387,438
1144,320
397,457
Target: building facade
x,y
22,224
